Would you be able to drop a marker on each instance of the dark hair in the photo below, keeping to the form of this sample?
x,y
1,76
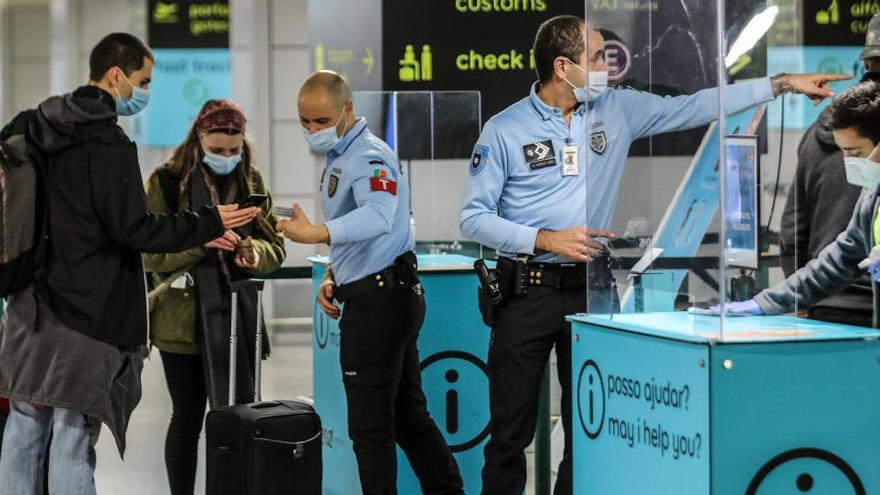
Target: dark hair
x,y
118,50
858,107
870,76
558,36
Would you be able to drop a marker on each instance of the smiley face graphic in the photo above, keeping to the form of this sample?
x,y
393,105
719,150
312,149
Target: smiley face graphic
x,y
806,470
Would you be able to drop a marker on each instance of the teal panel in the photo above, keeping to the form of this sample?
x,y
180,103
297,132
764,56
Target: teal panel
x,y
640,414
796,418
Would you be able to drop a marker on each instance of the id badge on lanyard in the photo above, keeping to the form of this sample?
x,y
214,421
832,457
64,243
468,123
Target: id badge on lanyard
x,y
570,161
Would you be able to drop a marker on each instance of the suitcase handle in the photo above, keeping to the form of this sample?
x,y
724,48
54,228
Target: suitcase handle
x,y
235,288
298,447
243,284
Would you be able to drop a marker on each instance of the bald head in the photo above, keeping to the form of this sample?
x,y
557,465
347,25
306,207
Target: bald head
x,y
325,101
329,83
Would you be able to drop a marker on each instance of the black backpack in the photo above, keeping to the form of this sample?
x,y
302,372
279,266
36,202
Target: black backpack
x,y
23,214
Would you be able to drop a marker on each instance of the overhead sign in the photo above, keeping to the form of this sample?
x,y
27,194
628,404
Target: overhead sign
x,y
486,45
188,24
190,42
483,45
837,22
349,44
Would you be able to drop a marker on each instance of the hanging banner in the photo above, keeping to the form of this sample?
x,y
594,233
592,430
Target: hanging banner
x,y
667,48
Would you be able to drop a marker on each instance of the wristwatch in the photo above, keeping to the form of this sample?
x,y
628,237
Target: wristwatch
x,y
779,85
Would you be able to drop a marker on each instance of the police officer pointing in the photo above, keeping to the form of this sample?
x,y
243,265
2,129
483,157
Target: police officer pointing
x,y
365,199
528,197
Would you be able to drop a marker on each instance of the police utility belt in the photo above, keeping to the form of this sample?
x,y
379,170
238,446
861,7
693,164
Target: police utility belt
x,y
402,274
514,278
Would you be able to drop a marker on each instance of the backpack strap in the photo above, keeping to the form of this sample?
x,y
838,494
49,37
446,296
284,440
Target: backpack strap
x,y
41,268
25,123
6,155
168,183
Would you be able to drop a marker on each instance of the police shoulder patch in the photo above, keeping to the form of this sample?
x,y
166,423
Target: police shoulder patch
x,y
381,181
478,159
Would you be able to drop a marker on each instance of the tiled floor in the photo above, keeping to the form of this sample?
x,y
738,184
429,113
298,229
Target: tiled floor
x,y
288,374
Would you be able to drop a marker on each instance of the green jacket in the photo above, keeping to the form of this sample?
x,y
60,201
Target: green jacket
x,y
173,311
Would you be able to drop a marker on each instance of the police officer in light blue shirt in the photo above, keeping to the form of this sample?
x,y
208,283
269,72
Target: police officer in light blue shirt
x,y
531,197
365,199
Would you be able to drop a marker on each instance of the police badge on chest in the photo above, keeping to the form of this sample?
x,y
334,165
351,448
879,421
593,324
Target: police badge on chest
x,y
332,183
539,155
598,142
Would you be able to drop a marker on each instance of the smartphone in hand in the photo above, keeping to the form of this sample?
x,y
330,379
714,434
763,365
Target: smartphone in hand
x,y
253,200
282,211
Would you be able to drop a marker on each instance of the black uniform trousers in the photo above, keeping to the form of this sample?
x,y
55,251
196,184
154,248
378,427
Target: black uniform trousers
x,y
386,405
526,329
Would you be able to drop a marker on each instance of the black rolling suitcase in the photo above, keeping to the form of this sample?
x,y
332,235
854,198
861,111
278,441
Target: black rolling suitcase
x,y
264,448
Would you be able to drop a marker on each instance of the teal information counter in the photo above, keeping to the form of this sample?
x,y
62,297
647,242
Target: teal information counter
x,y
453,348
778,406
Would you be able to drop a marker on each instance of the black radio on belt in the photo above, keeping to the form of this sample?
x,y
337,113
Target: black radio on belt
x,y
406,270
520,279
489,294
489,281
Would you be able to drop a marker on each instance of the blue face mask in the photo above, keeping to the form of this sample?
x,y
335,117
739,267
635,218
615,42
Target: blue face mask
x,y
221,165
324,140
138,101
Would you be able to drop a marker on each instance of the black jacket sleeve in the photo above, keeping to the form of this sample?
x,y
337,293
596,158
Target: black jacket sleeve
x,y
119,198
18,125
794,233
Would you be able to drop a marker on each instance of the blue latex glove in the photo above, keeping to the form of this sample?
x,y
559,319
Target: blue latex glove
x,y
874,271
743,308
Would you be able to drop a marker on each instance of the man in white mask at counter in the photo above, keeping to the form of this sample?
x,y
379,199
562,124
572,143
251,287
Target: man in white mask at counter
x,y
855,123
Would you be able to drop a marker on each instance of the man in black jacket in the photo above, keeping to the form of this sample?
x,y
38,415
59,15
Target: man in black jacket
x,y
71,345
821,204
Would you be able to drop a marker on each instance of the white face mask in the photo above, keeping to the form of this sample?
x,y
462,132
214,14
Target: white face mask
x,y
324,140
861,172
597,83
221,165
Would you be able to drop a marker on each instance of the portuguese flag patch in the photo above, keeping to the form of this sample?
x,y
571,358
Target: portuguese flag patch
x,y
381,182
